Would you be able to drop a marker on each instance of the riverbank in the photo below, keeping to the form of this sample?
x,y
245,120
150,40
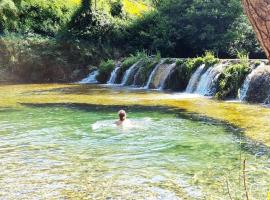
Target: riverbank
x,y
42,59
252,119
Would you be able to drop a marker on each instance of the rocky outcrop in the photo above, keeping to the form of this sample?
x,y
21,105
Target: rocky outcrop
x,y
177,79
258,12
259,86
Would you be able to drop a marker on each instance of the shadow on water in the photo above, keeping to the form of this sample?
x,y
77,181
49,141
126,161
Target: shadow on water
x,y
92,88
245,143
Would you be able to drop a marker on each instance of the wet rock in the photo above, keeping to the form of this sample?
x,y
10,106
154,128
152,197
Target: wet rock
x,y
176,80
259,86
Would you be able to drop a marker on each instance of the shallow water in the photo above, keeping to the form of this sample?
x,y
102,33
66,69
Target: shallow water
x,y
59,151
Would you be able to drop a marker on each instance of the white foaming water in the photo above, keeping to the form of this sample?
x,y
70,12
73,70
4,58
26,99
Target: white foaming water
x,y
194,80
129,72
245,87
110,124
113,76
91,78
207,83
152,75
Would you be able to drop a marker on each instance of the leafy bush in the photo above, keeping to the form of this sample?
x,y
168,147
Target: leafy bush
x,y
35,16
105,70
233,78
8,16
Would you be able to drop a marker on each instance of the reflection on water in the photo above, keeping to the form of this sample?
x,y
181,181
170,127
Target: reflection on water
x,y
67,153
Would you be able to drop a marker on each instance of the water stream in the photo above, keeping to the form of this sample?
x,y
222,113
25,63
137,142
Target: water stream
x,y
91,78
113,76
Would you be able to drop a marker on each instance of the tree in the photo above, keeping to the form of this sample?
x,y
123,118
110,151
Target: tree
x,y
258,12
86,4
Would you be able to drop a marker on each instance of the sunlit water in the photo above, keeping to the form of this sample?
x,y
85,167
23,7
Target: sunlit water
x,y
60,151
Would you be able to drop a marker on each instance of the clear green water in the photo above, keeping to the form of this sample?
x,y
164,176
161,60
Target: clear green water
x,y
77,153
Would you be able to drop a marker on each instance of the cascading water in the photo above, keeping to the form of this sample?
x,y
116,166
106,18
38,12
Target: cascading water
x,y
113,75
91,78
208,81
205,82
130,72
147,86
244,89
195,78
165,75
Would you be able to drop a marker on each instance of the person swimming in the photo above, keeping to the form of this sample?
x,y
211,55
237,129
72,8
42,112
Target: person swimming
x,y
122,118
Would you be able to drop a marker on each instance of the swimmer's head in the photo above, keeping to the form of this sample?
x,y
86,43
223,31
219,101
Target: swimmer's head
x,y
122,115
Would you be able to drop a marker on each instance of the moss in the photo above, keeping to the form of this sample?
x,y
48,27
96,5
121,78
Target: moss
x,y
179,62
105,70
233,78
191,64
147,66
168,61
132,59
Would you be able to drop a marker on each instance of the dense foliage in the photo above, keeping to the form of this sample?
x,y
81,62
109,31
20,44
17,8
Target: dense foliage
x,y
176,28
113,29
184,28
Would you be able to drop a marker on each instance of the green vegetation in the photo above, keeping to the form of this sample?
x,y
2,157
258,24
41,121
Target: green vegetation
x,y
187,28
168,61
132,59
232,78
100,30
105,69
191,64
117,9
148,64
44,59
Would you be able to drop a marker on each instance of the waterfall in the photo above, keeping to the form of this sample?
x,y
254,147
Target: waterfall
x,y
91,78
194,80
205,82
165,75
208,81
245,87
147,86
130,72
113,75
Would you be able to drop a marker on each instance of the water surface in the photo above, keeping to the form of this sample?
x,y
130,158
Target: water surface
x,y
56,150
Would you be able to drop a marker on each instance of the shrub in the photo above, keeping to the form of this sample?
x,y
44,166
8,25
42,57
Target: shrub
x,y
105,70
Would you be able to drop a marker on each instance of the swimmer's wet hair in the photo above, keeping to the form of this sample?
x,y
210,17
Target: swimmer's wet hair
x,y
122,114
